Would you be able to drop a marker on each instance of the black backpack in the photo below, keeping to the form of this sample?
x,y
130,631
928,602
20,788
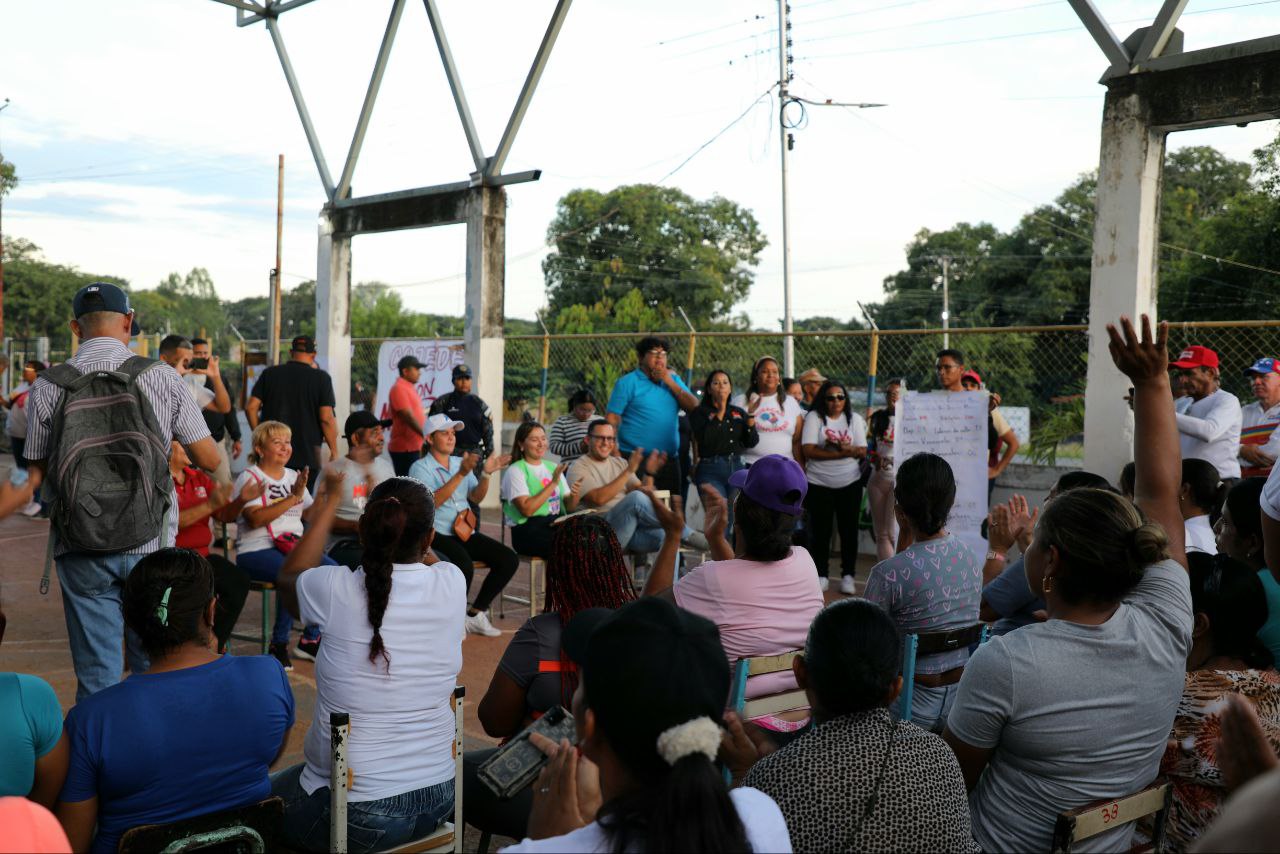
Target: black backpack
x,y
108,467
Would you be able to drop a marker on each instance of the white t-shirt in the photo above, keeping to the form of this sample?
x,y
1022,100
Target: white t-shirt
x,y
290,522
825,432
401,737
516,485
1210,430
1271,495
775,424
355,488
761,818
1199,534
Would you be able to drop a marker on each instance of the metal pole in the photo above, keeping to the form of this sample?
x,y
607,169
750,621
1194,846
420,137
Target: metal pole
x,y
2,108
946,301
339,727
871,370
693,341
784,72
275,274
546,363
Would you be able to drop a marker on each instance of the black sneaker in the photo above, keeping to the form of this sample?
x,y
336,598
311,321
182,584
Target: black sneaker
x,y
307,650
280,652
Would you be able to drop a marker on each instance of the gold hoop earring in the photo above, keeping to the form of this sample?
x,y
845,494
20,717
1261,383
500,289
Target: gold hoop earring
x,y
1045,586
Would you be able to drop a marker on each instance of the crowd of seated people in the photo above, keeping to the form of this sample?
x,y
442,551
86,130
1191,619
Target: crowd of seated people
x,y
1136,653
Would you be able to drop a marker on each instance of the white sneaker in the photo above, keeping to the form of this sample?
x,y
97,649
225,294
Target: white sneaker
x,y
824,583
846,585
32,508
478,624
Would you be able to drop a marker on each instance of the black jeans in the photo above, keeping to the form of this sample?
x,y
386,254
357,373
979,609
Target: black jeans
x,y
401,460
820,504
482,809
502,563
533,538
231,583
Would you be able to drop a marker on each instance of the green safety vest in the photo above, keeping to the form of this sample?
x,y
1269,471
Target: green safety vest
x,y
534,481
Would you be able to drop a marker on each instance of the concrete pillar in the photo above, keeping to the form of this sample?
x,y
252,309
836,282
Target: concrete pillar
x,y
1126,240
486,278
333,313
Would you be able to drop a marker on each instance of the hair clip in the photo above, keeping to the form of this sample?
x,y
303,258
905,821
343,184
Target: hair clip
x,y
162,610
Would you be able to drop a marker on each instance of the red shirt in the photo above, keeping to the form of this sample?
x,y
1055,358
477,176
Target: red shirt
x,y
196,489
404,395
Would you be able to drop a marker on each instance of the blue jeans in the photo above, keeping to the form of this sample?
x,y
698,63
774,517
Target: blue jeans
x,y
92,585
929,706
371,825
715,472
264,565
635,523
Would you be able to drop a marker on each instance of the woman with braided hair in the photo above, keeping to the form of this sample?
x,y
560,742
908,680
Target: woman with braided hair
x,y
391,658
585,570
134,759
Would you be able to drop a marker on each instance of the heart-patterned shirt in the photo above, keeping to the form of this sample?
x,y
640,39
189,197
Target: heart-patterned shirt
x,y
932,586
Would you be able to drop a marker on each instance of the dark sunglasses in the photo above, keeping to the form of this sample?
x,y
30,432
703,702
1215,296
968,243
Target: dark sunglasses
x,y
835,397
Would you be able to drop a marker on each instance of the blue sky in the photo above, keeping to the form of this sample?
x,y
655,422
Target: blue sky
x,y
146,131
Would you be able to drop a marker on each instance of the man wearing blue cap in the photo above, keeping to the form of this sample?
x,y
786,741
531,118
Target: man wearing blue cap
x,y
1259,439
92,576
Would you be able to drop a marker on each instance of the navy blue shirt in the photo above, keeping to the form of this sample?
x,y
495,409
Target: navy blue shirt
x,y
162,747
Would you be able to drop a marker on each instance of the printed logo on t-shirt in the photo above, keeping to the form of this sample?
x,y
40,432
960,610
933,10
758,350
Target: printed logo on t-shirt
x,y
553,503
360,494
201,492
770,420
838,437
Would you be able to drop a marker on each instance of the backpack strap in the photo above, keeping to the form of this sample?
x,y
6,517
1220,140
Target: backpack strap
x,y
135,366
62,375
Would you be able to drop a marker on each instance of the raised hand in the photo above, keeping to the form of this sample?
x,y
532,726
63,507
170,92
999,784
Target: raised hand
x,y
251,491
495,462
575,489
334,477
655,462
1022,519
1144,358
300,484
717,512
469,462
670,518
221,495
634,459
1000,535
566,794
559,472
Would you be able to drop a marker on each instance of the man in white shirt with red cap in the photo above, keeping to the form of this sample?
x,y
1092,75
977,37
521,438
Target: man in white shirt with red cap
x,y
1259,438
1208,417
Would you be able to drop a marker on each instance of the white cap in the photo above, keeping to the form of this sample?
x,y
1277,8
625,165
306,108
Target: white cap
x,y
439,422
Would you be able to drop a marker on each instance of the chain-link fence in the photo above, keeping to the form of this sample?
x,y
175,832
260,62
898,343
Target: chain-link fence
x,y
1041,368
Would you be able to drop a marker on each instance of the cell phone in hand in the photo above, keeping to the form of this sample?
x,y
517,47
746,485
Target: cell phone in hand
x,y
199,364
517,763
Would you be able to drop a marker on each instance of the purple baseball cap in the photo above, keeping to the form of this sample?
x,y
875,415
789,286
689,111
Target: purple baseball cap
x,y
775,481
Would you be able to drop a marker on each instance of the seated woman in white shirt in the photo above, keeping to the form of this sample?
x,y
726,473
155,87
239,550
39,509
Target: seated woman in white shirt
x,y
390,659
643,776
1200,499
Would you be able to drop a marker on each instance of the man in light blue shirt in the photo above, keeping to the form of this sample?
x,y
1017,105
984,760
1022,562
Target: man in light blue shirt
x,y
645,406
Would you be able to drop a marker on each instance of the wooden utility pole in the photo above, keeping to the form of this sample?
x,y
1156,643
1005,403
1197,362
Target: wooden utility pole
x,y
275,274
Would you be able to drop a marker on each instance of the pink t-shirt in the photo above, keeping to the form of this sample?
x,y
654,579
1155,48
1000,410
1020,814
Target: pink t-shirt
x,y
760,608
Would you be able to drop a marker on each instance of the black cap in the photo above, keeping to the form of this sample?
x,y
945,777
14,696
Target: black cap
x,y
362,418
303,344
409,362
461,371
100,296
647,667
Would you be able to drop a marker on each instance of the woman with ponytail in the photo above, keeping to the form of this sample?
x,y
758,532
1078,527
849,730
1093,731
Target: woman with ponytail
x,y
194,734
1078,708
642,777
1226,658
391,656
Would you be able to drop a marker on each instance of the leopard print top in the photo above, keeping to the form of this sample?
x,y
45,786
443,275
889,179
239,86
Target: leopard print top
x,y
823,779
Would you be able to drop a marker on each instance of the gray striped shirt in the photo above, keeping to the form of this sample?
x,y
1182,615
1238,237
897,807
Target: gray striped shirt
x,y
175,409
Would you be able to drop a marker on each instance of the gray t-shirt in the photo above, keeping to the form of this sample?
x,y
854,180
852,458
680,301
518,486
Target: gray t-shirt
x,y
1074,713
355,489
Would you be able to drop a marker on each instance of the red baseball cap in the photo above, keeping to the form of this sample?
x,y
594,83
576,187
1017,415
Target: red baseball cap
x,y
971,374
1196,357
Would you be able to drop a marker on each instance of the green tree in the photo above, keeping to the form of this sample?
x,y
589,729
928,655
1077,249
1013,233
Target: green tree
x,y
678,251
38,294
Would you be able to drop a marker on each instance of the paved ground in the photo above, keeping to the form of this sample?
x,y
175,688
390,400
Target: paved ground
x,y
36,640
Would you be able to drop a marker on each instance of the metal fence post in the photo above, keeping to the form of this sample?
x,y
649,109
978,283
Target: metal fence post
x,y
339,726
546,363
871,369
693,343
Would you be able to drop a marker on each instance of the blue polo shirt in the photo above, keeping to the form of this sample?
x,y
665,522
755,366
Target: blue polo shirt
x,y
434,475
650,414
